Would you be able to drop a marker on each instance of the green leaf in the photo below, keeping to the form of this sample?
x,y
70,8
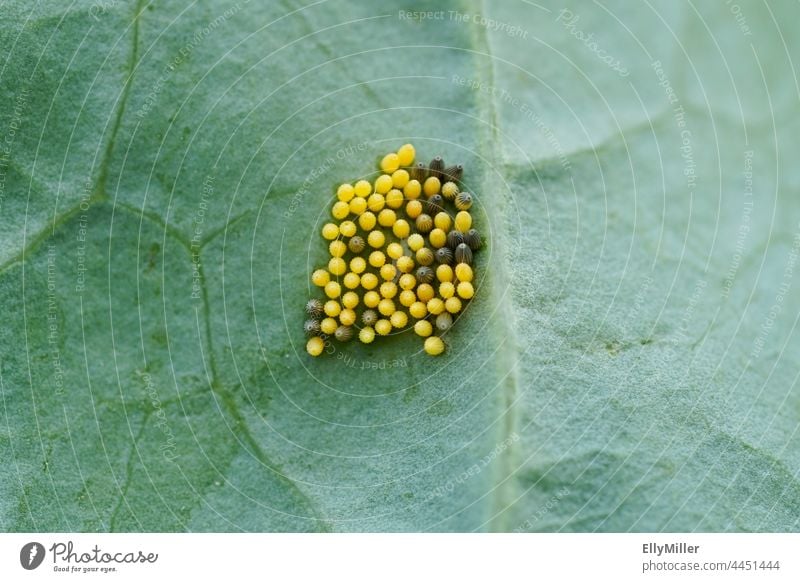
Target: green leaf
x,y
627,363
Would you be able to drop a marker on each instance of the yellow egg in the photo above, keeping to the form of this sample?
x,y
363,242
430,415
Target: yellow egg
x,y
363,189
366,335
394,250
463,221
383,184
315,346
369,281
400,178
320,277
383,327
401,228
390,163
333,289
434,345
412,190
418,310
399,319
358,206
405,155
431,186
330,231
345,192
423,328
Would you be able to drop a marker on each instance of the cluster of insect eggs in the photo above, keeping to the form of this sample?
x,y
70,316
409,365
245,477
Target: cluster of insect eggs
x,y
401,241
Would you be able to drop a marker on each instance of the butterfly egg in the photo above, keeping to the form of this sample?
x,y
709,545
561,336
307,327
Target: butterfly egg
x,y
386,307
400,178
431,186
436,167
394,250
347,228
311,327
452,304
314,307
388,272
399,319
337,248
418,310
383,184
390,163
442,220
328,326
367,221
358,206
330,231
345,192
315,346
453,173
434,205
351,299
425,274
383,327
425,257
405,264
376,202
434,346
366,335
369,281
464,272
444,273
412,190
424,292
356,245
362,189
444,256
449,190
424,223
413,209
369,317
388,289
416,242
447,290
337,266
377,259
357,264
401,228
332,290
435,306
347,317
376,239
473,239
343,333
332,308
394,198
437,238
407,297
423,328
372,299
463,200
444,321
351,280
340,210
463,221
406,154
465,290
463,254
419,172
454,238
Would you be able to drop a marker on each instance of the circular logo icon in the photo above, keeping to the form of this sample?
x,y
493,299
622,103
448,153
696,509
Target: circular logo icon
x,y
31,555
